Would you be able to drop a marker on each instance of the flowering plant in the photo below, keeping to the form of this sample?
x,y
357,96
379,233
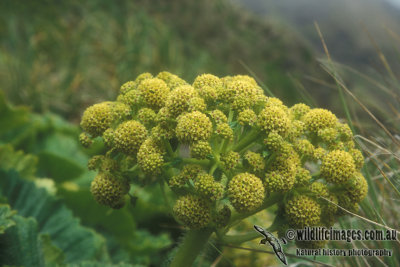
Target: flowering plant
x,y
222,151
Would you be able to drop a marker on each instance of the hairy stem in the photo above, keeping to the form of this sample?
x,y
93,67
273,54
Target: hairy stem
x,y
192,244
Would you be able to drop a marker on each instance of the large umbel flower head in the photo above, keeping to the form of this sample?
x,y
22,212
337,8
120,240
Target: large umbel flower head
x,y
223,147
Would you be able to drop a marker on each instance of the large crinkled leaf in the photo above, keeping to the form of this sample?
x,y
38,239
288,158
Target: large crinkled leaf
x,y
5,217
147,247
97,216
23,163
77,242
144,245
51,253
19,245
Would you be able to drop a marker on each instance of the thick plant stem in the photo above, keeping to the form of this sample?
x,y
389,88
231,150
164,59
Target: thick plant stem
x,y
192,244
271,200
202,162
249,138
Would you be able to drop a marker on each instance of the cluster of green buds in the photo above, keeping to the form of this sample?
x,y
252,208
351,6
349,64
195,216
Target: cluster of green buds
x,y
224,149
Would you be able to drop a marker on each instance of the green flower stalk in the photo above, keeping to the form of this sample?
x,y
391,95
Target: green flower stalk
x,y
226,151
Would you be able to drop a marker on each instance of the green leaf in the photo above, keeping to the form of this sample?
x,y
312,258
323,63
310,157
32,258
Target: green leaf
x,y
120,223
25,164
52,254
77,242
51,138
146,242
5,217
61,158
19,245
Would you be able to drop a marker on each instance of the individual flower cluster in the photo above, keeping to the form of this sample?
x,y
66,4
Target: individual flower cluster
x,y
222,146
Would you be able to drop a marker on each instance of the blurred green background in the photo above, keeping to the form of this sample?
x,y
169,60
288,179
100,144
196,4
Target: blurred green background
x,y
59,57
62,56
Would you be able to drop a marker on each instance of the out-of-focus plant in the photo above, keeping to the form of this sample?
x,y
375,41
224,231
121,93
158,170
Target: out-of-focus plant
x,y
222,151
61,57
37,227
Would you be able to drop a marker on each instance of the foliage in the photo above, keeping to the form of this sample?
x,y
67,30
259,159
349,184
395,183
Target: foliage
x,y
62,57
26,243
244,168
44,231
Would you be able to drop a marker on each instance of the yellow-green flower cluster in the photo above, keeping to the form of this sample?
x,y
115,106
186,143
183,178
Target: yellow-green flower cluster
x,y
247,117
207,187
128,136
154,92
193,127
357,188
85,140
108,137
302,177
274,118
221,144
338,166
298,111
146,116
200,150
302,211
218,116
102,164
221,219
319,119
246,192
192,211
276,181
97,118
224,130
171,80
189,172
109,190
150,157
178,100
229,160
255,160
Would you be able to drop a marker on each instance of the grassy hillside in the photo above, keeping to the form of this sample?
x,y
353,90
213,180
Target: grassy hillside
x,y
346,26
62,57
